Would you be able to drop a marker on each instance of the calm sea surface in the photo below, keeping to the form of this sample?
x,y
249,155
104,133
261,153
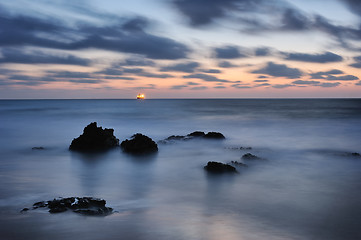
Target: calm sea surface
x,y
308,186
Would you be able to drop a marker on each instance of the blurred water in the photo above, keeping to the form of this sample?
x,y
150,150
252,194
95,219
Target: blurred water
x,y
307,188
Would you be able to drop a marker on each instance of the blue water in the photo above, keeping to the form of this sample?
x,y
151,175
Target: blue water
x,y
307,188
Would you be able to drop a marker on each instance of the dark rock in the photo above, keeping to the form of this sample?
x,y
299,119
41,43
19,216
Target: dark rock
x,y
94,139
24,210
240,164
175,137
214,135
355,154
217,167
249,156
38,148
196,134
139,144
84,205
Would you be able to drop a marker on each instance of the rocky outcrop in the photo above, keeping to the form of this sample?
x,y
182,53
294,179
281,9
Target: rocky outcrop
x,y
82,205
94,138
217,167
239,164
139,144
193,135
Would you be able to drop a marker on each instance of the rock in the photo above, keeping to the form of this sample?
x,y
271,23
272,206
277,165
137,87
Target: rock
x,y
239,164
355,154
249,156
214,135
94,139
24,210
38,148
175,137
81,205
196,134
217,167
139,144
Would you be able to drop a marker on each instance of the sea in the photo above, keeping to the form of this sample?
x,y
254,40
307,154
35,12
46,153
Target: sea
x,y
307,184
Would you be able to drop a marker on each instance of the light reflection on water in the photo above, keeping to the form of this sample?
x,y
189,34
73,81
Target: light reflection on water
x,y
305,189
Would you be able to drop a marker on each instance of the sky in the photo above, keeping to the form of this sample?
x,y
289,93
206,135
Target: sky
x,y
180,49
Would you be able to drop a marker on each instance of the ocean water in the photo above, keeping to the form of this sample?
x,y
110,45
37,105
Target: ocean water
x,y
307,186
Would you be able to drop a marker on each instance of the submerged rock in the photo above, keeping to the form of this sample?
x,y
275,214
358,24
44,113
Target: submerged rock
x,y
217,167
94,139
249,156
37,148
139,144
81,205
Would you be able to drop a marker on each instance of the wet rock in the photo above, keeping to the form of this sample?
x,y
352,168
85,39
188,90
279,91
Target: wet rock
x,y
217,167
239,164
139,144
94,138
175,137
82,205
355,154
24,210
214,135
249,156
38,148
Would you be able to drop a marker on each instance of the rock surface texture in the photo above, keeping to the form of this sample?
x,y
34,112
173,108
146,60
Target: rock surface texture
x,y
139,144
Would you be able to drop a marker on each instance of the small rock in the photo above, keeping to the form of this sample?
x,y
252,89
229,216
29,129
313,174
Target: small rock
x,y
217,167
355,154
24,210
249,156
196,134
139,144
38,148
94,139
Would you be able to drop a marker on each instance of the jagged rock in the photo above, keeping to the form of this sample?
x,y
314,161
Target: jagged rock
x,y
139,144
214,135
217,167
249,156
81,205
240,164
94,139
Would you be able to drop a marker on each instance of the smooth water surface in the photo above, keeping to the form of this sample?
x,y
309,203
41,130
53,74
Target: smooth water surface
x,y
307,186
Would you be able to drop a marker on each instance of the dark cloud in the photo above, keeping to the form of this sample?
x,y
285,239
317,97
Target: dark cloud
x,y
133,70
226,64
327,85
188,67
205,77
138,62
240,86
129,38
358,83
91,81
198,88
324,75
342,78
292,19
263,85
120,78
154,75
315,58
211,71
280,86
279,70
192,84
39,57
219,87
228,52
303,82
263,51
260,81
67,74
111,71
178,87
358,62
354,5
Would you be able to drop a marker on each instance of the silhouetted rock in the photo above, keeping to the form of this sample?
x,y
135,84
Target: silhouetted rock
x,y
24,210
196,134
139,144
214,135
217,167
355,154
94,139
83,205
249,156
239,164
38,148
193,135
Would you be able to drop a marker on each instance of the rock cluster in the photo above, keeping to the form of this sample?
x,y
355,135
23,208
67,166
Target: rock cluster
x,y
94,138
194,135
81,205
250,156
139,144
